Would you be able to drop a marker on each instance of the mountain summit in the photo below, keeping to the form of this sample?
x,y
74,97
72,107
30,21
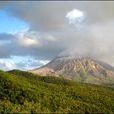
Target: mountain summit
x,y
82,69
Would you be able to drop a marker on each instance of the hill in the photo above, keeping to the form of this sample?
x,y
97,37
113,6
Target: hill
x,y
82,69
29,93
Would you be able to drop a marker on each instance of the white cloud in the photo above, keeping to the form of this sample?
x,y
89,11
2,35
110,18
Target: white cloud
x,y
24,39
49,37
43,62
27,62
7,64
29,38
28,41
75,16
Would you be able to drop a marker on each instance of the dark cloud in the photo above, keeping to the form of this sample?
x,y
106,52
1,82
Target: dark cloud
x,y
51,15
21,46
3,4
4,36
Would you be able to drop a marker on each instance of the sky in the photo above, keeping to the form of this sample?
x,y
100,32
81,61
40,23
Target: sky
x,y
32,33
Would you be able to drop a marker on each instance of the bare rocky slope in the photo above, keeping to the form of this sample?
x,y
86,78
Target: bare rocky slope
x,y
82,69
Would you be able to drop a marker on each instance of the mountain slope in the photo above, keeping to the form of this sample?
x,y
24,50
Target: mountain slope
x,y
83,69
27,93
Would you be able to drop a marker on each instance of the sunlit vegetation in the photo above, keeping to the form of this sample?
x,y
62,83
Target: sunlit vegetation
x,y
28,93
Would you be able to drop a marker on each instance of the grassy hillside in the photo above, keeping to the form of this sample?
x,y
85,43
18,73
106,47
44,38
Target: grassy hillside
x,y
25,92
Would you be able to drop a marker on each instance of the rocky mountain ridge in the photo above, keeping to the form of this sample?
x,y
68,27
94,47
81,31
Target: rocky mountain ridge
x,y
84,69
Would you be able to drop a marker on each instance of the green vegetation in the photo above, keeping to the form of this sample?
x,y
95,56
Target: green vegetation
x,y
28,93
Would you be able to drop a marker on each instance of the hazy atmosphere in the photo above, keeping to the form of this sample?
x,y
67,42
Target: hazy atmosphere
x,y
33,33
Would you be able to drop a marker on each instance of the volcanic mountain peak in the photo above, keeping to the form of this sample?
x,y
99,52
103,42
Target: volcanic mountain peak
x,y
83,69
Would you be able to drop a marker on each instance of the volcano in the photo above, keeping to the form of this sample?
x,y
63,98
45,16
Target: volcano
x,y
82,69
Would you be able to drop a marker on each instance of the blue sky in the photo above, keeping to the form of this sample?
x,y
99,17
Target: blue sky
x,y
10,24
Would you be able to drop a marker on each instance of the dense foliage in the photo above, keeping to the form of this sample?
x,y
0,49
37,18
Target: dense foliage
x,y
28,93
